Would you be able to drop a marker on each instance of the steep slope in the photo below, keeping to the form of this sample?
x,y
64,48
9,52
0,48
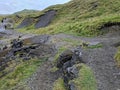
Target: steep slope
x,y
84,17
79,17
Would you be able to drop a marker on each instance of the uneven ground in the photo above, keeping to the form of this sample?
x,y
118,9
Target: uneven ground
x,y
43,79
101,60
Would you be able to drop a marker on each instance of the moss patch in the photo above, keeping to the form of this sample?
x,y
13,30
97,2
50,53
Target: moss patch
x,y
59,85
95,46
86,79
117,57
16,79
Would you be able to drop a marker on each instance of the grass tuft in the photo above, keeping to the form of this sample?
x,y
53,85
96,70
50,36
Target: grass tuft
x,y
59,85
86,79
117,57
23,71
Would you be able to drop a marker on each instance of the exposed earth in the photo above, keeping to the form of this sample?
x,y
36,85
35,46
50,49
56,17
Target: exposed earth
x,y
100,60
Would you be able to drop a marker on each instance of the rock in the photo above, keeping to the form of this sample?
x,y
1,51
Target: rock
x,y
84,44
73,72
68,62
41,39
7,23
94,5
26,58
66,81
16,43
64,57
72,86
43,50
65,66
26,22
45,19
116,44
93,43
77,56
5,47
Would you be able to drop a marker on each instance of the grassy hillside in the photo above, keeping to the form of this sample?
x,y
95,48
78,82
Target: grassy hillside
x,y
82,17
26,12
79,17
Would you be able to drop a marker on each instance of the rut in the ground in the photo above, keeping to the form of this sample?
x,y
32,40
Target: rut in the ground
x,y
43,79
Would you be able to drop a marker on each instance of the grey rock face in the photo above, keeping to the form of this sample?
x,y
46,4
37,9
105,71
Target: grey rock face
x,y
72,86
64,57
26,22
45,19
68,61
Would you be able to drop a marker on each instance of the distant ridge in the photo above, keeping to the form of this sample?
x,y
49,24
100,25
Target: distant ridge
x,y
26,12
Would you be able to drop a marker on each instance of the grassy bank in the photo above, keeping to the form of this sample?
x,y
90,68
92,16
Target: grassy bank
x,y
16,79
81,17
84,81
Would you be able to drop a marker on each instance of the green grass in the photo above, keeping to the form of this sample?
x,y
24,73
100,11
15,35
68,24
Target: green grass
x,y
95,46
16,79
80,17
59,85
72,42
60,50
86,79
117,57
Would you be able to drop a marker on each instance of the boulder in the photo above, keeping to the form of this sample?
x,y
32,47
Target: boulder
x,y
72,72
41,39
77,56
65,66
64,57
43,50
72,86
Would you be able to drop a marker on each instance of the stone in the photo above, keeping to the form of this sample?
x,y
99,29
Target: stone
x,y
77,56
93,43
26,58
45,19
17,43
65,66
5,47
73,72
26,22
64,57
40,39
66,80
72,86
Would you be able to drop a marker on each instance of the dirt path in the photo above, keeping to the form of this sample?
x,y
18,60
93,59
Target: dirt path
x,y
43,79
103,64
101,60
